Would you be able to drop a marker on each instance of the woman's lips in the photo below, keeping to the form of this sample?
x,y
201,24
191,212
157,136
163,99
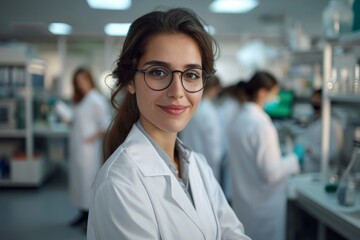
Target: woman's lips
x,y
174,109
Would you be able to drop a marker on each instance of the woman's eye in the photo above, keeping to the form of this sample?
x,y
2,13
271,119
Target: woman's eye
x,y
192,75
157,73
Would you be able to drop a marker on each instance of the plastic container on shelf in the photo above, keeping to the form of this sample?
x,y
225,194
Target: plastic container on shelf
x,y
337,18
356,7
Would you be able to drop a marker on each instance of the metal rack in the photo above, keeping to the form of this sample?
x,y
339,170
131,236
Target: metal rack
x,y
30,171
347,41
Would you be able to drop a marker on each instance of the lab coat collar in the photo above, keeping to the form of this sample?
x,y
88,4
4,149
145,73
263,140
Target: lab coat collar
x,y
151,165
142,151
256,109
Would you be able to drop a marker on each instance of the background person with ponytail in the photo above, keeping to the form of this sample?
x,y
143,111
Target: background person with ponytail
x,y
151,186
259,171
89,117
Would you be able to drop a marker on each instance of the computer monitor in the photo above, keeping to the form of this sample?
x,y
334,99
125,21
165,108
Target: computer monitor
x,y
282,109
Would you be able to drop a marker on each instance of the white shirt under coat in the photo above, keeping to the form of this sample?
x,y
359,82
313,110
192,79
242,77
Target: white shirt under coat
x,y
136,196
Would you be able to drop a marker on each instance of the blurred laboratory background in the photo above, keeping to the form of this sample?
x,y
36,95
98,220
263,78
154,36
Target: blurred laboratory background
x,y
312,47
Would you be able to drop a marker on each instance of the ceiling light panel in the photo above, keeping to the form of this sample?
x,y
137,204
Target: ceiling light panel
x,y
233,6
117,29
110,4
60,28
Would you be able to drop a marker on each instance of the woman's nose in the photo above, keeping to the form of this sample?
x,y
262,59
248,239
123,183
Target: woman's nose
x,y
176,89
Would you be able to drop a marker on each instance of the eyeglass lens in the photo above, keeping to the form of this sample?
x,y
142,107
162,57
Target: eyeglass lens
x,y
160,77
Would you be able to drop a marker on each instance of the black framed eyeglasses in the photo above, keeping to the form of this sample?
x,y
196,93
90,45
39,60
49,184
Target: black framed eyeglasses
x,y
159,78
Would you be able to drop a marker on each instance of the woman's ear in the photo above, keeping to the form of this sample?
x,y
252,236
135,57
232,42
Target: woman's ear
x,y
131,87
261,94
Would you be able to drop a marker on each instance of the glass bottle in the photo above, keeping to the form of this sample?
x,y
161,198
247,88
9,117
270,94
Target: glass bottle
x,y
356,81
333,83
337,18
345,86
346,192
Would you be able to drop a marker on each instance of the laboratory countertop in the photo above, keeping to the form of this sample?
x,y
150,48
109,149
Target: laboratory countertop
x,y
309,192
55,130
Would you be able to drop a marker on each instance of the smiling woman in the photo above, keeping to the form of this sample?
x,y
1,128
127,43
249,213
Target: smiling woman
x,y
151,182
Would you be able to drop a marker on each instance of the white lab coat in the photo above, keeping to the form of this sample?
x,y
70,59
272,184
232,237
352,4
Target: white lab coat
x,y
203,134
88,117
136,196
226,110
310,138
259,173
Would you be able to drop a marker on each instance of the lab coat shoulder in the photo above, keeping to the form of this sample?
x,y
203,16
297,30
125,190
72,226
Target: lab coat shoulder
x,y
119,192
101,110
256,125
262,133
137,197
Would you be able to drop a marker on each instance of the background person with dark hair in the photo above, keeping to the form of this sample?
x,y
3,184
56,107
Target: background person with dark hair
x,y
89,117
259,171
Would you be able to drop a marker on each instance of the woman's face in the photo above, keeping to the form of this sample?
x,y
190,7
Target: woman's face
x,y
168,110
83,82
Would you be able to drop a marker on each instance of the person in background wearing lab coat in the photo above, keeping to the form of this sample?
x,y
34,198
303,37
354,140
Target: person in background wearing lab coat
x,y
310,138
227,104
259,171
152,186
89,118
204,131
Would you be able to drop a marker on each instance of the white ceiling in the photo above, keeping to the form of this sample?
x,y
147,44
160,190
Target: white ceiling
x,y
21,19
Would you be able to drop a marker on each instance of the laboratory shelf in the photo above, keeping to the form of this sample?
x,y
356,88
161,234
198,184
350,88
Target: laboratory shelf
x,y
11,183
303,57
348,40
21,83
345,98
6,133
57,131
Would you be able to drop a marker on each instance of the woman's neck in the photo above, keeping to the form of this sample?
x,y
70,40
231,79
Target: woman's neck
x,y
167,143
166,140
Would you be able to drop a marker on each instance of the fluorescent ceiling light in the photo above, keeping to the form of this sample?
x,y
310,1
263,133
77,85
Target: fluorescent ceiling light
x,y
60,28
210,29
110,4
233,6
117,29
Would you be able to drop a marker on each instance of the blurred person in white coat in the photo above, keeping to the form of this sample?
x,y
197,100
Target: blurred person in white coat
x,y
227,104
152,186
311,140
259,171
89,117
203,133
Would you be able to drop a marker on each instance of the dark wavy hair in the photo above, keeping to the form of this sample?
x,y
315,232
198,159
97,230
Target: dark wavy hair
x,y
248,91
142,30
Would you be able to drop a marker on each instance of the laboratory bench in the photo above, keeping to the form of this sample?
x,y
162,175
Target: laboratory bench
x,y
307,191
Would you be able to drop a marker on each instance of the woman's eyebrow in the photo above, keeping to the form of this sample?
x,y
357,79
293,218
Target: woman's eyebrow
x,y
157,62
162,63
193,66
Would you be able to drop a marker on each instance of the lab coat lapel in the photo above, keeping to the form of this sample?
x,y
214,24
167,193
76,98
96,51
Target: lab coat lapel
x,y
200,196
180,197
152,165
